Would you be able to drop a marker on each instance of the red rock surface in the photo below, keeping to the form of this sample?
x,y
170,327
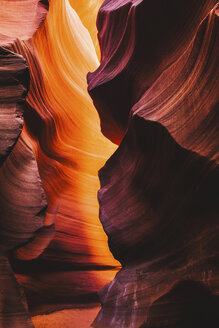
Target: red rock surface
x,y
156,91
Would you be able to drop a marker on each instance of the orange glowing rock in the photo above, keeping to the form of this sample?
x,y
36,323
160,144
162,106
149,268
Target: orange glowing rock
x,y
62,128
65,131
87,11
66,53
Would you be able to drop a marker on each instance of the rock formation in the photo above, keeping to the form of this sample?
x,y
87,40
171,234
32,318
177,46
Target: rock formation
x,y
20,19
14,83
61,127
156,91
22,199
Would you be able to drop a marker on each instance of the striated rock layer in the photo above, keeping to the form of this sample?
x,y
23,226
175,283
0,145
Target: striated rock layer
x,y
14,83
156,89
23,234
156,94
87,11
20,19
138,42
62,128
160,212
23,202
22,199
66,137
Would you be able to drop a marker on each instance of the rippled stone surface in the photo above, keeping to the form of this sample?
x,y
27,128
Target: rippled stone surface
x,y
156,94
61,127
14,83
139,40
20,19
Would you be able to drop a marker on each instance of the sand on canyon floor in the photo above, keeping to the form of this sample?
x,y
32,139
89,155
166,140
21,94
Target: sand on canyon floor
x,y
73,318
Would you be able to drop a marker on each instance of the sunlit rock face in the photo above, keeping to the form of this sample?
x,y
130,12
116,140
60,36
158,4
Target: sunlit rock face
x,y
62,129
65,132
156,94
20,19
87,11
156,91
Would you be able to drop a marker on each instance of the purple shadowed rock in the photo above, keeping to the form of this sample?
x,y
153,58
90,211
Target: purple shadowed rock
x,y
139,40
156,91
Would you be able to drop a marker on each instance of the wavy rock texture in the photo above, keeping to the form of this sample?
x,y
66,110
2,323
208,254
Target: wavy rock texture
x,y
23,206
23,202
144,48
62,127
87,11
156,90
14,82
160,212
14,78
187,104
22,199
75,148
157,87
20,19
